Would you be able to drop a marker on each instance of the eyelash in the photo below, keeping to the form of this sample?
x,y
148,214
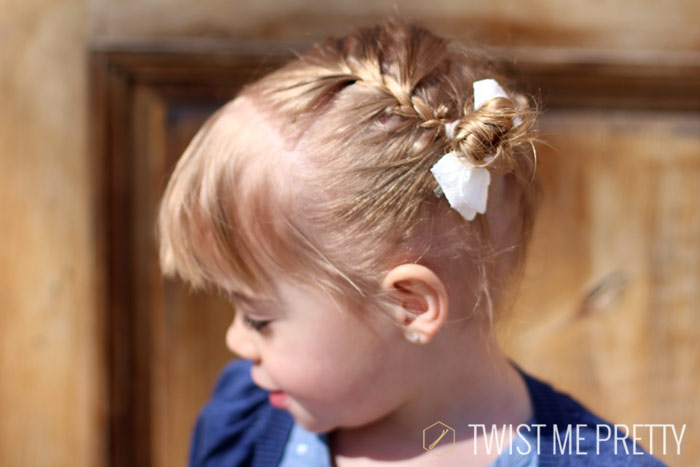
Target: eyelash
x,y
254,323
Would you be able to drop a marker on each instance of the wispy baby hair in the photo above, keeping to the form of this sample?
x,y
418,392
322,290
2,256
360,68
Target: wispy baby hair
x,y
321,171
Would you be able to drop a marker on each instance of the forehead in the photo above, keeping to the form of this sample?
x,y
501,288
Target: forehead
x,y
267,148
280,191
238,192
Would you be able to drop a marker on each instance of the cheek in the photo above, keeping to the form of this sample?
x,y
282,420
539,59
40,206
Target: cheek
x,y
332,363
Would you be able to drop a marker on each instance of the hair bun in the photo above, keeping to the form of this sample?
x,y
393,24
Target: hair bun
x,y
494,131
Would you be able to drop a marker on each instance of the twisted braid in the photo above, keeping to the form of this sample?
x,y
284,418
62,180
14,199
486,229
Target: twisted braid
x,y
350,60
487,132
345,184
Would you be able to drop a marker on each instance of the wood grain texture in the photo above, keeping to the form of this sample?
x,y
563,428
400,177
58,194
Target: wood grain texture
x,y
49,378
619,209
613,24
184,366
161,355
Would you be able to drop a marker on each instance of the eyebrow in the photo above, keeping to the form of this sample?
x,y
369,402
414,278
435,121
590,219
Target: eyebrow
x,y
236,295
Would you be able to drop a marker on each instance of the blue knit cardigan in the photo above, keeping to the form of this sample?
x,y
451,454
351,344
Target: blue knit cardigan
x,y
239,427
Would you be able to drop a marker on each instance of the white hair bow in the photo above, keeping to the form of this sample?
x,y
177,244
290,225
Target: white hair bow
x,y
466,188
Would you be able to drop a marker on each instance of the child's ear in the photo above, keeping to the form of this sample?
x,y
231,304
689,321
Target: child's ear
x,y
422,299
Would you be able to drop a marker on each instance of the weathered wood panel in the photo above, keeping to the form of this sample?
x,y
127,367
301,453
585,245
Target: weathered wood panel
x,y
613,24
49,378
609,308
163,345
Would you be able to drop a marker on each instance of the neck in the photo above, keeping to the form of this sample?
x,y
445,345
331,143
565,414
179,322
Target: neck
x,y
482,388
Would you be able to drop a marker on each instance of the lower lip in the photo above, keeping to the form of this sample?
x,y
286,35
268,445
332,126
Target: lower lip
x,y
278,399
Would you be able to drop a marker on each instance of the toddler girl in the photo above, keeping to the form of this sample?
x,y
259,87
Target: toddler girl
x,y
367,209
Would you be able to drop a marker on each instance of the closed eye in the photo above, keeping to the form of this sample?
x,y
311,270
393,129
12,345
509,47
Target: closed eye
x,y
254,323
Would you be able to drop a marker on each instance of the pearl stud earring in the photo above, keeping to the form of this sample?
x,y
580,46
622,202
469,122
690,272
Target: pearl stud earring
x,y
415,337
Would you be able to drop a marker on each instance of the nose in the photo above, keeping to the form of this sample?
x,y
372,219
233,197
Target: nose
x,y
240,342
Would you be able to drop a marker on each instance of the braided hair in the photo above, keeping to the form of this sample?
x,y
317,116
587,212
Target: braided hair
x,y
365,117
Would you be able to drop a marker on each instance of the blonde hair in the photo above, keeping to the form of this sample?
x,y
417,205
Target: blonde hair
x,y
342,189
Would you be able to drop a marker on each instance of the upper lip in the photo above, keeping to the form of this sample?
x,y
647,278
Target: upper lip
x,y
262,386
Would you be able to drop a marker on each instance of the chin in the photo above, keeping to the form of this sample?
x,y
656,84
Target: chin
x,y
314,425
